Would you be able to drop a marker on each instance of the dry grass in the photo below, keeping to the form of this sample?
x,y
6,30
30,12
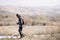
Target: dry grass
x,y
32,32
29,30
6,19
39,27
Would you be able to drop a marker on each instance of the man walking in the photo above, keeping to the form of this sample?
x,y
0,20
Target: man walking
x,y
20,23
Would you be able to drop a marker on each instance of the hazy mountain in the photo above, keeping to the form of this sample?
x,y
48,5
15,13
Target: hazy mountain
x,y
49,11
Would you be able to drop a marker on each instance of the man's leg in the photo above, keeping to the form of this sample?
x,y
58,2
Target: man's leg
x,y
21,32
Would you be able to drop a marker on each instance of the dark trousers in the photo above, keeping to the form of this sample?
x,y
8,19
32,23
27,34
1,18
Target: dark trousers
x,y
20,31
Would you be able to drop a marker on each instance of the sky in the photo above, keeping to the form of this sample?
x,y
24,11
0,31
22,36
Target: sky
x,y
32,3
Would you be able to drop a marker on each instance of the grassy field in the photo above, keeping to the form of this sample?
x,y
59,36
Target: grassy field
x,y
32,32
36,27
6,19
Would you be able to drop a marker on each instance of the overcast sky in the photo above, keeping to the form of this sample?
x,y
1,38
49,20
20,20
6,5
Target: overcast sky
x,y
32,3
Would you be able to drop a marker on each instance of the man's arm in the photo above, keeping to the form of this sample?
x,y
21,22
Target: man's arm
x,y
18,23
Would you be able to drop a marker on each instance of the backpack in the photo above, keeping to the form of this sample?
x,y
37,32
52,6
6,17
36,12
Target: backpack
x,y
22,21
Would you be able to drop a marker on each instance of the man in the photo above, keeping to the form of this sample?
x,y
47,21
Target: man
x,y
20,23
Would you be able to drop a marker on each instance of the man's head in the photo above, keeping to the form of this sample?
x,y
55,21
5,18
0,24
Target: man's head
x,y
18,16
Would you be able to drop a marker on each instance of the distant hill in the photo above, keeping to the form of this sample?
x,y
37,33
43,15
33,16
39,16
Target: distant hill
x,y
8,15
